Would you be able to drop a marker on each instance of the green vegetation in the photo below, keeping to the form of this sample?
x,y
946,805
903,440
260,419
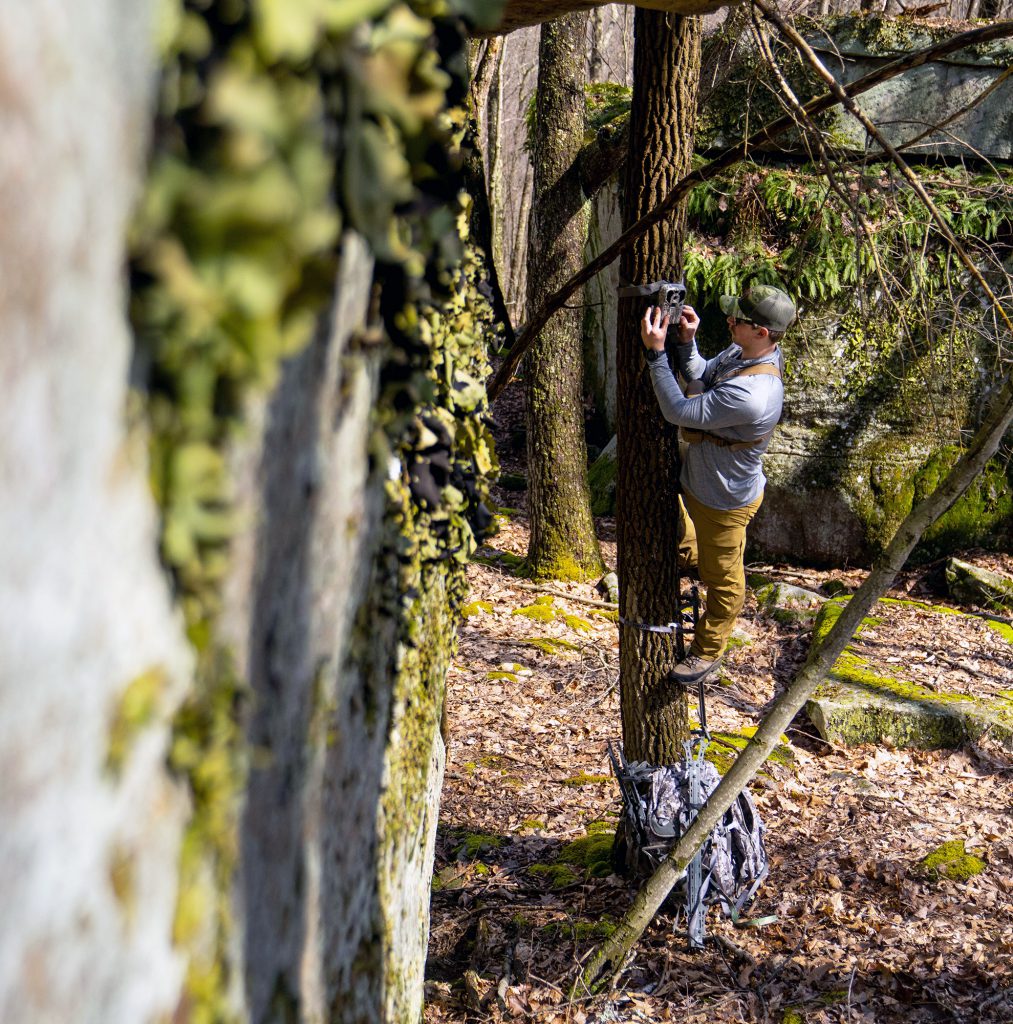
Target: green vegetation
x,y
551,645
474,844
951,861
559,875
724,748
584,779
476,608
137,708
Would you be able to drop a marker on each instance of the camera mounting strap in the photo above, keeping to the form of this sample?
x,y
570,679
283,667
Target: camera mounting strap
x,y
629,291
669,627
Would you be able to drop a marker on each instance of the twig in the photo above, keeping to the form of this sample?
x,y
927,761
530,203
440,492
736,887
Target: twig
x,y
568,597
737,951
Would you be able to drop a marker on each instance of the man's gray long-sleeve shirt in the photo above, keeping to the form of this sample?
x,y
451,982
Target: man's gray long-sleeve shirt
x,y
738,409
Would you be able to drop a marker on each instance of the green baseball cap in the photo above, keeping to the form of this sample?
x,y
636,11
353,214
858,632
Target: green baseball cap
x,y
763,305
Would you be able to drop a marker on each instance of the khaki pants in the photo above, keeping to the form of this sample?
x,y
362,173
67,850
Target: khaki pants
x,y
715,540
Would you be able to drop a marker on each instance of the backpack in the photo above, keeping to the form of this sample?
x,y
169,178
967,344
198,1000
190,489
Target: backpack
x,y
658,805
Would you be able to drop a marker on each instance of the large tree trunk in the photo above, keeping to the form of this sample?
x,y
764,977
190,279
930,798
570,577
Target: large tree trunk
x,y
92,657
563,543
666,77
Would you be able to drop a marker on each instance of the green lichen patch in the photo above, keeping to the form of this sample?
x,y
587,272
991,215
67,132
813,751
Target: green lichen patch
x,y
592,852
724,748
531,825
581,931
540,611
476,608
792,1015
137,709
584,779
475,844
514,564
510,671
600,827
606,613
551,645
577,623
951,861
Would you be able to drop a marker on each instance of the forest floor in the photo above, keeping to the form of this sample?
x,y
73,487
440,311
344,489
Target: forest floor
x,y
861,935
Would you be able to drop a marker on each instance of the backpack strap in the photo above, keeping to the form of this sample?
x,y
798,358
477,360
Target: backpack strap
x,y
696,436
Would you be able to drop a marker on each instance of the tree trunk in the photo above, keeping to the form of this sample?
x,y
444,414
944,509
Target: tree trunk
x,y
666,78
563,544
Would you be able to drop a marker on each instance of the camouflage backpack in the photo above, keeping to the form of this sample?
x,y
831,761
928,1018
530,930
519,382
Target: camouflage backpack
x,y
658,805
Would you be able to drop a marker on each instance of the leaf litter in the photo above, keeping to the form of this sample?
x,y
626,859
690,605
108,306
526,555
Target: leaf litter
x,y
861,935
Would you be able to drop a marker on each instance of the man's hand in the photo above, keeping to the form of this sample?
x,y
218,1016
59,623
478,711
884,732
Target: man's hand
x,y
653,328
688,323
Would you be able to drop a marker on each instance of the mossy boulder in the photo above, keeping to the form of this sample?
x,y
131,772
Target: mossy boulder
x,y
789,605
970,584
951,861
857,705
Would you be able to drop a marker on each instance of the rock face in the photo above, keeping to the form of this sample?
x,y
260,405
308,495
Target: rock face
x,y
853,47
93,662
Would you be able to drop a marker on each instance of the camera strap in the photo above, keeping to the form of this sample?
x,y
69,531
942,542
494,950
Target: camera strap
x,y
631,291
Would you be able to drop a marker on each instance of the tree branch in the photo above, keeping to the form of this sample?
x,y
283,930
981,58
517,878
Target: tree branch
x,y
913,180
725,159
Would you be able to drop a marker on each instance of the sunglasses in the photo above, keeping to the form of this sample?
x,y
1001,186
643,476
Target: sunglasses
x,y
735,321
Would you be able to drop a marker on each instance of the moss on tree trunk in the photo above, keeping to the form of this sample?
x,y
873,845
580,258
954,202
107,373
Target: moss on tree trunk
x,y
563,544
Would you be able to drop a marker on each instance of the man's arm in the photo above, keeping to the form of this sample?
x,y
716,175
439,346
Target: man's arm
x,y
734,404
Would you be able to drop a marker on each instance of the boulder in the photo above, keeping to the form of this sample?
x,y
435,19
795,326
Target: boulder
x,y
789,605
970,584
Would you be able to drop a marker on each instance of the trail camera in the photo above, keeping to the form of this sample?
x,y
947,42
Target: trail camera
x,y
668,296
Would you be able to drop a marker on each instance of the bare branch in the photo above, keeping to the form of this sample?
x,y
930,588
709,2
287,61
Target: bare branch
x,y
913,180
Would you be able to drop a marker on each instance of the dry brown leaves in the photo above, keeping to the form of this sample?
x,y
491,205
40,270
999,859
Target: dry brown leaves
x,y
860,935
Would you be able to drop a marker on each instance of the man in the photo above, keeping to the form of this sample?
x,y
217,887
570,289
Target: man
x,y
727,415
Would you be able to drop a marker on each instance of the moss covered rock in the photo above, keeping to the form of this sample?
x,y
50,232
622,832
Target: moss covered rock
x,y
951,861
971,584
855,704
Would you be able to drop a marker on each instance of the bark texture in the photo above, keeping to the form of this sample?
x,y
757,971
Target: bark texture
x,y
92,657
666,73
563,544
